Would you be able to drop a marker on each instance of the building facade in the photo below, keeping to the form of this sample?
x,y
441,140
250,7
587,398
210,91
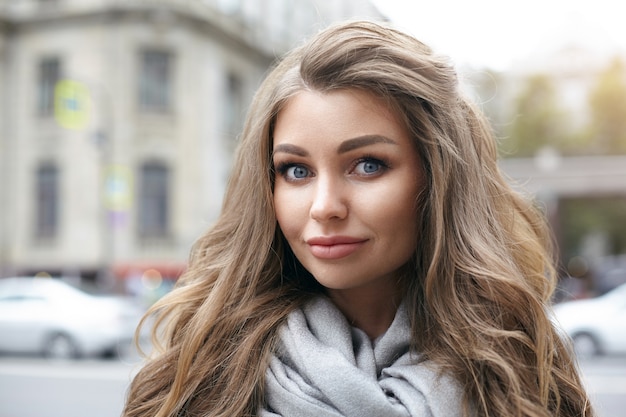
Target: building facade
x,y
118,120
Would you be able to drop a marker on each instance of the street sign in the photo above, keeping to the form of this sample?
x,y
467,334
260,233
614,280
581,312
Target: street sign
x,y
118,188
72,105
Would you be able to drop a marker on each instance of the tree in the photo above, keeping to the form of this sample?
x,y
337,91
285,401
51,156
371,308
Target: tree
x,y
582,216
607,104
538,121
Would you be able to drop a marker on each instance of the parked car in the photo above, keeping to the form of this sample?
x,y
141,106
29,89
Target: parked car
x,y
50,317
597,325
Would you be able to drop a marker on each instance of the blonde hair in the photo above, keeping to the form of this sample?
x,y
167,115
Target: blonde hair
x,y
479,284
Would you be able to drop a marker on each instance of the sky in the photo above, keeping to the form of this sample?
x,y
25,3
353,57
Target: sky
x,y
498,33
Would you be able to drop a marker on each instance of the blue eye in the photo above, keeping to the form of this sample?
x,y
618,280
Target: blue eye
x,y
293,171
297,171
369,166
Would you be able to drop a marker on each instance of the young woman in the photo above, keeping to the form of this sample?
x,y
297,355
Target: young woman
x,y
370,259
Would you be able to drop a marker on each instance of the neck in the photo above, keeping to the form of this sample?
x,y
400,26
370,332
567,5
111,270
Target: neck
x,y
371,311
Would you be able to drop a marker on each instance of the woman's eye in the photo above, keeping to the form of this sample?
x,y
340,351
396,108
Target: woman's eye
x,y
368,167
297,171
293,172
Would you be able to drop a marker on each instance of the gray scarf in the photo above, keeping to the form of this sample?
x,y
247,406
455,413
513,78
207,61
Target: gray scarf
x,y
323,367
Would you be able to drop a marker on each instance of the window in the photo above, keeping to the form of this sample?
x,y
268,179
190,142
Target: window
x,y
47,201
49,74
234,104
153,217
155,81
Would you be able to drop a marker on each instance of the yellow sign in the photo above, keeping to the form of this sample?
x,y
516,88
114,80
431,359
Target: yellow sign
x,y
71,104
118,188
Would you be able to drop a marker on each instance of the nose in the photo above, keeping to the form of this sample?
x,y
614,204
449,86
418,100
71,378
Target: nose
x,y
329,200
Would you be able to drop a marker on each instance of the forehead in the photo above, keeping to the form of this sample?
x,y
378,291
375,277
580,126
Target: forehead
x,y
338,114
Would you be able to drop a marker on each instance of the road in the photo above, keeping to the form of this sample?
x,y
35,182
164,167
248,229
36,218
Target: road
x,y
39,388
605,379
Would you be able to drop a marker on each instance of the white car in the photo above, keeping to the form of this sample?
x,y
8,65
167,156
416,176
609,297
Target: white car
x,y
47,316
597,325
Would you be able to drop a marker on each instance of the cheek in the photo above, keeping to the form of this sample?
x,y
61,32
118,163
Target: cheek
x,y
397,219
397,224
279,208
392,206
288,212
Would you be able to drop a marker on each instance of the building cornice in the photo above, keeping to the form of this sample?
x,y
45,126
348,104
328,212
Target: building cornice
x,y
159,13
569,176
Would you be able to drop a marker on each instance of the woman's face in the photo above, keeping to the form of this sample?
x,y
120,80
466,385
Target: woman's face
x,y
347,181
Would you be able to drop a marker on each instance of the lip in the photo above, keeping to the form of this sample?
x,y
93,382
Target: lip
x,y
334,247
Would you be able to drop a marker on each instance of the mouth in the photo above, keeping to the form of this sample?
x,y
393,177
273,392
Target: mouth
x,y
334,247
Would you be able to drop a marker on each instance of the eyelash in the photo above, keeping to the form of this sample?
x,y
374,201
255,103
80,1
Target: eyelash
x,y
282,167
367,158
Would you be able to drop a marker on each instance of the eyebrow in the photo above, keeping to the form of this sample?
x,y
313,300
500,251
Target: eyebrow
x,y
346,146
362,141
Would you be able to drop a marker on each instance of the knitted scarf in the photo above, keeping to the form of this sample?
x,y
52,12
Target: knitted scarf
x,y
323,367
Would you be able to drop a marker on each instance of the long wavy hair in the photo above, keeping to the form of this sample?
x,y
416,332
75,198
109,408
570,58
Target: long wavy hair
x,y
480,281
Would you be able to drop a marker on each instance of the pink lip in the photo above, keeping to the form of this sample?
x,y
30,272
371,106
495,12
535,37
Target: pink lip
x,y
334,247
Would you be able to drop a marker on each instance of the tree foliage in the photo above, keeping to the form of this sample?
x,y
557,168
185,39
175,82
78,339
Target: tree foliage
x,y
607,105
582,217
538,121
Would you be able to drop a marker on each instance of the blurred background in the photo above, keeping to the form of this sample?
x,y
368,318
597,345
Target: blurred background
x,y
119,119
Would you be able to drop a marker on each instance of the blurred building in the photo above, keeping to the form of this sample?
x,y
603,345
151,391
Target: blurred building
x,y
562,184
118,119
554,180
